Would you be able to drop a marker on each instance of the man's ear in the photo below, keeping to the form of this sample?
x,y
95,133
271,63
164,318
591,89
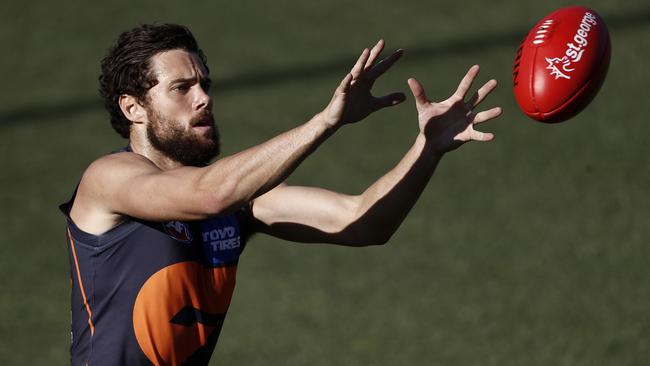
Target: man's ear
x,y
132,109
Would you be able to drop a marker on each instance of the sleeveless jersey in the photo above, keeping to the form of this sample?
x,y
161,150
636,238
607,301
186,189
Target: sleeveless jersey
x,y
152,293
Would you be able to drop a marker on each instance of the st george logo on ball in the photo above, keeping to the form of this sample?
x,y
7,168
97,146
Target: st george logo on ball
x,y
574,51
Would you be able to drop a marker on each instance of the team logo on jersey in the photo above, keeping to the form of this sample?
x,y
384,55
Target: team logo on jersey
x,y
179,231
179,311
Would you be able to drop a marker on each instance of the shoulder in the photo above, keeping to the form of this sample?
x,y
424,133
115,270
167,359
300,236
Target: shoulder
x,y
122,160
114,168
92,209
111,172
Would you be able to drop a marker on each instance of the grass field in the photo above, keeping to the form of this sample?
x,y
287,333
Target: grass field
x,y
532,250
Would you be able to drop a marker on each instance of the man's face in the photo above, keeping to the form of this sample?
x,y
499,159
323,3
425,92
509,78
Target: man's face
x,y
179,109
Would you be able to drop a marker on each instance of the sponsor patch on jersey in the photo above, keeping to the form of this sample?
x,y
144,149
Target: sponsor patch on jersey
x,y
222,243
179,231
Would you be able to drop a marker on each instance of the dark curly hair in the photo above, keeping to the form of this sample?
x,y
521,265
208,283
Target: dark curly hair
x,y
126,69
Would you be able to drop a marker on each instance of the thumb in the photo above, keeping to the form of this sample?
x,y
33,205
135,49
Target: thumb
x,y
344,86
418,93
389,100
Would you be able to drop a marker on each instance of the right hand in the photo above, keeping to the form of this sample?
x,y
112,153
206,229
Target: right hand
x,y
448,124
352,100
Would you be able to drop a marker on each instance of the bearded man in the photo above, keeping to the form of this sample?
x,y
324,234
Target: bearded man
x,y
155,230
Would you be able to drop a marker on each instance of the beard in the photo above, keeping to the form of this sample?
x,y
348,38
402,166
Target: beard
x,y
185,147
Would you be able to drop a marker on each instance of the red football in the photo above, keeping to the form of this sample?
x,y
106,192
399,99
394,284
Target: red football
x,y
561,64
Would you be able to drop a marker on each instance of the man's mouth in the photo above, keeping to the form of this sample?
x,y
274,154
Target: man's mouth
x,y
203,121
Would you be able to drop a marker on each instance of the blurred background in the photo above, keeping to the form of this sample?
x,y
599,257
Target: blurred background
x,y
531,250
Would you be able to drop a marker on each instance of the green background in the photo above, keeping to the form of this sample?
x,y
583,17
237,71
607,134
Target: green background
x,y
531,250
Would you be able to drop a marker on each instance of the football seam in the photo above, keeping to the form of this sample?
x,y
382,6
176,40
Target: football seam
x,y
531,87
569,100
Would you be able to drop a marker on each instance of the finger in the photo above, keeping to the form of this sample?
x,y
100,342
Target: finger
x,y
344,86
480,136
487,115
480,94
389,100
418,93
376,50
466,82
358,67
385,64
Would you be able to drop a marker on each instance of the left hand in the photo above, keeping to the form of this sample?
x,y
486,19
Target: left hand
x,y
352,100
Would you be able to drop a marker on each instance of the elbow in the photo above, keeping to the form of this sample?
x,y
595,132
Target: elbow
x,y
369,237
365,229
219,200
380,240
214,205
371,242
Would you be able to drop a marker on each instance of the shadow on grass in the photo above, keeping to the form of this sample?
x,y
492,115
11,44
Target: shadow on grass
x,y
469,45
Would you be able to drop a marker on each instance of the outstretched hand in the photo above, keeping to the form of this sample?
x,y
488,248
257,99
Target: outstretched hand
x,y
352,100
450,123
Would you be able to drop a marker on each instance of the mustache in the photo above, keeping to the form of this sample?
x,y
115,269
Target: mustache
x,y
204,119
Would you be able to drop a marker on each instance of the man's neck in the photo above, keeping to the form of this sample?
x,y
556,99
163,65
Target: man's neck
x,y
141,146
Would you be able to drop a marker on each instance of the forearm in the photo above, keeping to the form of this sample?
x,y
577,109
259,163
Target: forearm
x,y
384,205
239,178
308,214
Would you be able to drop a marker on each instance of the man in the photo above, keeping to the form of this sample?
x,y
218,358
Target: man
x,y
155,231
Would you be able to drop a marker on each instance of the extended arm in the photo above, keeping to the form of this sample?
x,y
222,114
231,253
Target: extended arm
x,y
128,184
307,214
317,215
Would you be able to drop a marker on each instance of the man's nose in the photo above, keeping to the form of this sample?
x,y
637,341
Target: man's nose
x,y
202,99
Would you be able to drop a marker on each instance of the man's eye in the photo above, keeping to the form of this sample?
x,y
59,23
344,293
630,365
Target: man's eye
x,y
182,88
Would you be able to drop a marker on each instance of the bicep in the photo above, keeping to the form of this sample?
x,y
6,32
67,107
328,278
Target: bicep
x,y
130,186
306,214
